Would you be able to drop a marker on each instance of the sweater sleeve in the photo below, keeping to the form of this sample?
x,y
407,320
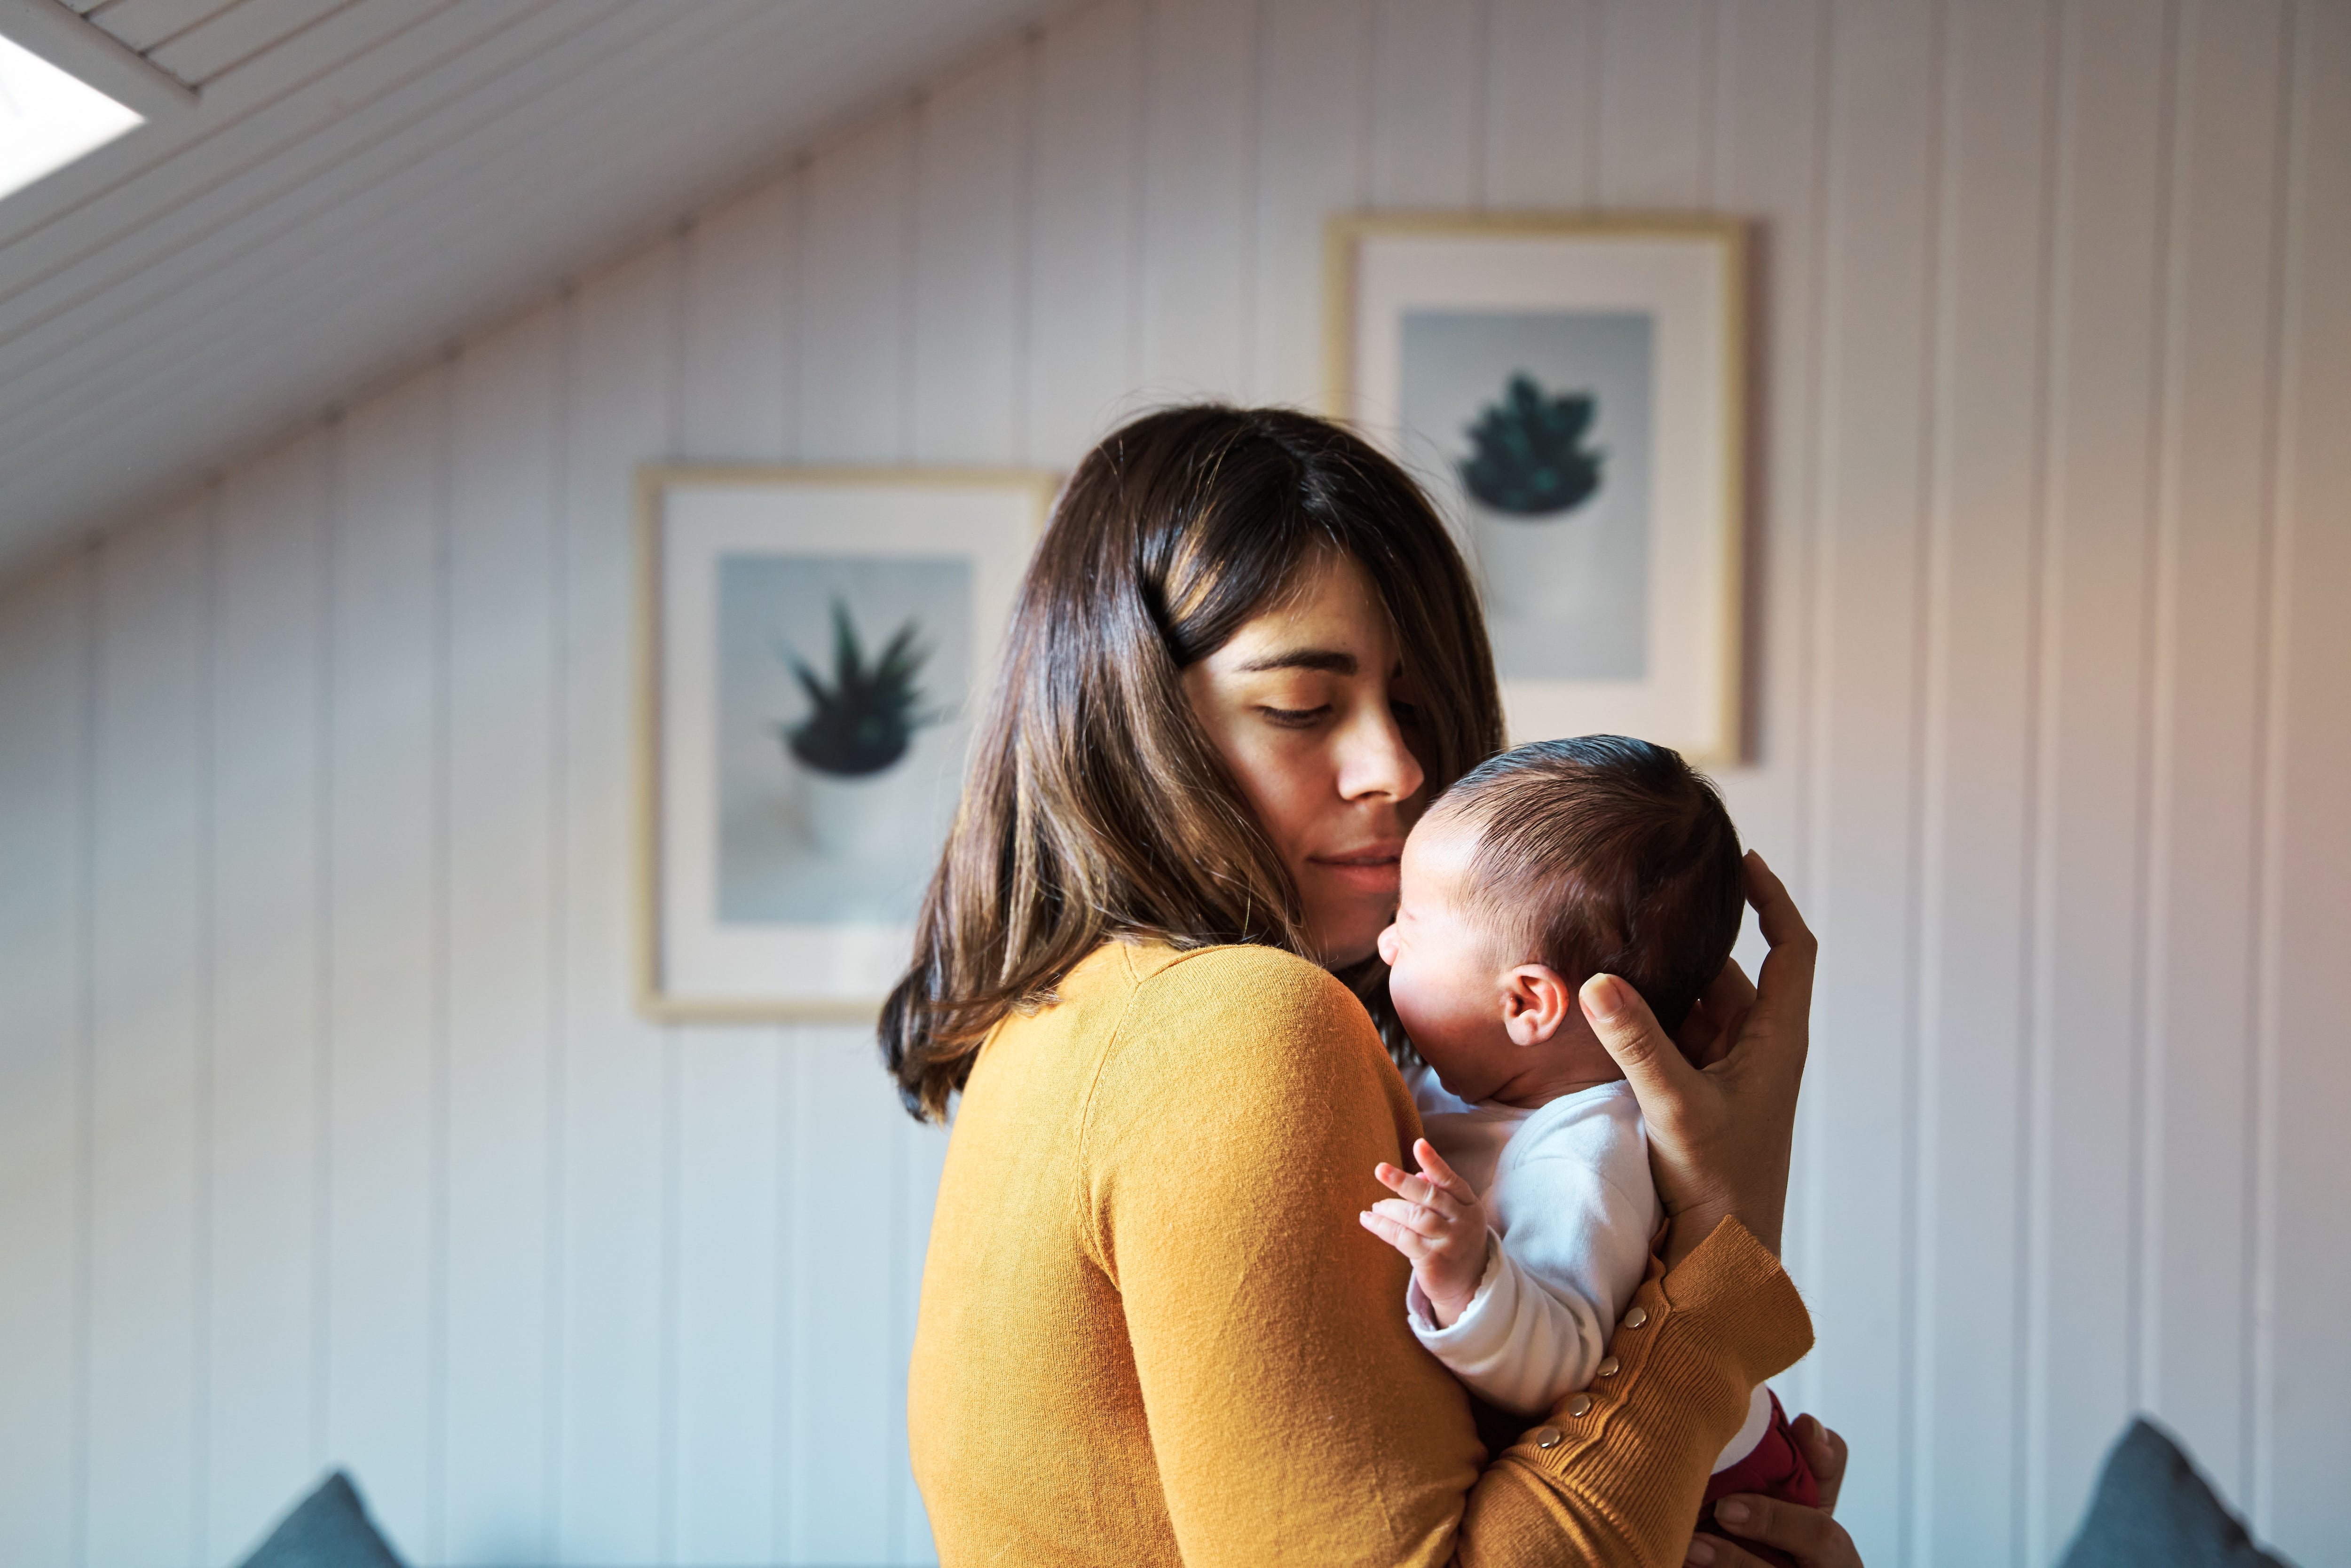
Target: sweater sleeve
x,y
1228,1142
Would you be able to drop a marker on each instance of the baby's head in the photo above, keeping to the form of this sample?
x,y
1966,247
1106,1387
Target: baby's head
x,y
1539,869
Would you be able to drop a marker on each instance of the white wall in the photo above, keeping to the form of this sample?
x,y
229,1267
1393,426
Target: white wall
x,y
327,1134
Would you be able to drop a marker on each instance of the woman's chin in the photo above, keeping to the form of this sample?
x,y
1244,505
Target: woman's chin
x,y
1347,907
1341,945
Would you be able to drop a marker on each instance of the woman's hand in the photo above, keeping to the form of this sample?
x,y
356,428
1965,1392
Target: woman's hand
x,y
1825,1452
1719,1136
1807,1534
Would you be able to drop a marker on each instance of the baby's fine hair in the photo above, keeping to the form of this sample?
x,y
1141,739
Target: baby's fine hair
x,y
1603,854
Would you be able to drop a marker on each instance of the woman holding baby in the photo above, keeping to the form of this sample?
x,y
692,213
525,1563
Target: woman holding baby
x,y
1153,1329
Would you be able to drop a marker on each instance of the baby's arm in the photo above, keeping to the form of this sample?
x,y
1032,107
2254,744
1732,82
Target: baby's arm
x,y
1522,1342
1525,1324
1436,1222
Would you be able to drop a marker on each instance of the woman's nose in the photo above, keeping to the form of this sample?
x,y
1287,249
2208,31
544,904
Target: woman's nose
x,y
1374,760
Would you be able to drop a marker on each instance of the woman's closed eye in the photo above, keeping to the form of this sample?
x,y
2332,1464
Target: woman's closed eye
x,y
1296,717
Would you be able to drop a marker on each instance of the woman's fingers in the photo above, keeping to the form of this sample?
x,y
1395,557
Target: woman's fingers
x,y
1729,993
1775,912
1786,978
1719,1552
1696,1169
1706,1036
1720,1139
1826,1453
1807,1534
1652,1063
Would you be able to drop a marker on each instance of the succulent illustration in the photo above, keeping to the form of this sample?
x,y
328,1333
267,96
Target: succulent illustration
x,y
1530,460
865,720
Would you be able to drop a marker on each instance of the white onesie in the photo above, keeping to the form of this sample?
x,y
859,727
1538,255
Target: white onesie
x,y
1568,1195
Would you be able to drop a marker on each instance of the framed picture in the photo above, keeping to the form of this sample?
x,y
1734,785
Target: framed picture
x,y
1568,391
813,646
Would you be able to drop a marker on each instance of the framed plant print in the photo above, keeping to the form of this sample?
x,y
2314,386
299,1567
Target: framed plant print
x,y
814,644
1567,390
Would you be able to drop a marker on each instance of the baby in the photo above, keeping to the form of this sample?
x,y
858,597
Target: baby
x,y
1529,1223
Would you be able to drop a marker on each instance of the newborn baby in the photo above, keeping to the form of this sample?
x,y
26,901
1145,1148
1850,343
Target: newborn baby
x,y
1529,1222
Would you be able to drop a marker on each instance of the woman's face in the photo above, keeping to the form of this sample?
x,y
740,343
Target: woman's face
x,y
1306,703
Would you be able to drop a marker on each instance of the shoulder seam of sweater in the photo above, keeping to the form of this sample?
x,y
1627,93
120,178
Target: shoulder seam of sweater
x,y
1181,956
1086,1218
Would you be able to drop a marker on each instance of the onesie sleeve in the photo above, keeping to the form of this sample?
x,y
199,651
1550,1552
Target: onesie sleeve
x,y
1228,1146
1574,1203
1522,1342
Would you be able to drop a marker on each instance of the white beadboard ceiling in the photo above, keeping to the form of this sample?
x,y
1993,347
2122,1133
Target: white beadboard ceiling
x,y
327,189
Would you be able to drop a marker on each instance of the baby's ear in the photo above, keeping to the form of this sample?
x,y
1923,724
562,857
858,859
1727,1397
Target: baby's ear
x,y
1535,1002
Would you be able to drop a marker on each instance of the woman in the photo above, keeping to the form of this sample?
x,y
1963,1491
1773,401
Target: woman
x,y
1245,657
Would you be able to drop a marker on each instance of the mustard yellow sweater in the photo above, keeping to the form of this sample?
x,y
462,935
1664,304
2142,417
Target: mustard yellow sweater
x,y
1153,1331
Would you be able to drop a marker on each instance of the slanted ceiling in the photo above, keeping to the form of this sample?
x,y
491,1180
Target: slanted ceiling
x,y
351,183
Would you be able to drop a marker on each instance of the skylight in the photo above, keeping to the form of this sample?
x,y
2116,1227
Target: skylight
x,y
49,118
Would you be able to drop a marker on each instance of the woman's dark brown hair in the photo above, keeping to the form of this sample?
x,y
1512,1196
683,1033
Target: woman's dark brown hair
x,y
1094,805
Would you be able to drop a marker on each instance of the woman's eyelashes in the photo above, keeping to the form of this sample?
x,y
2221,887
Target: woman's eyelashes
x,y
1406,715
1296,717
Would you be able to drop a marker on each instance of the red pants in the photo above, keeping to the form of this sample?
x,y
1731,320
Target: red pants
x,y
1775,1467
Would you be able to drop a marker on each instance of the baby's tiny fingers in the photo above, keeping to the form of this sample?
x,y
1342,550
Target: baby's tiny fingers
x,y
1394,1235
1418,1219
1441,1174
1405,1185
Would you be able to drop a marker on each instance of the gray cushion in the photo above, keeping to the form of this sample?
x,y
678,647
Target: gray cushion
x,y
328,1529
2151,1510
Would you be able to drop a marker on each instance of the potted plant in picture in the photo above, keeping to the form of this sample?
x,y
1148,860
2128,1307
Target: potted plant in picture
x,y
857,732
1530,467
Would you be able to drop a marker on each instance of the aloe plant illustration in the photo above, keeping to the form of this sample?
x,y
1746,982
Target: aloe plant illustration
x,y
1531,459
864,719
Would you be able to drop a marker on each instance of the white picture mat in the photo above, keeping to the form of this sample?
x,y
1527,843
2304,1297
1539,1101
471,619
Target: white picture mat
x,y
700,958
1682,701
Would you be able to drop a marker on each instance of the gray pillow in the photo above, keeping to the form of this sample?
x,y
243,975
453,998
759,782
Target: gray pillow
x,y
328,1529
2151,1510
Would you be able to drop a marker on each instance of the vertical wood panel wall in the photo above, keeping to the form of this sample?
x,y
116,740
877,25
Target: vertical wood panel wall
x,y
327,1133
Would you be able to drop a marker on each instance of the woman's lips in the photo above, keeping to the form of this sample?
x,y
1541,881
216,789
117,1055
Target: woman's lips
x,y
1372,868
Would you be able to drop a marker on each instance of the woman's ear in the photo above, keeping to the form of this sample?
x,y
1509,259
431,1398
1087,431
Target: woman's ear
x,y
1535,1001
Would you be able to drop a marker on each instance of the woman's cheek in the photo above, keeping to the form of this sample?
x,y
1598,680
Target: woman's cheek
x,y
1284,809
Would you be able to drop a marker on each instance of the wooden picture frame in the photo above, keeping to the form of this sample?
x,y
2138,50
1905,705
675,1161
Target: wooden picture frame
x,y
813,647
1568,391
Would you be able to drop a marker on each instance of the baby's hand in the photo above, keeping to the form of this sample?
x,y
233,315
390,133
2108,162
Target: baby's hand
x,y
1436,1220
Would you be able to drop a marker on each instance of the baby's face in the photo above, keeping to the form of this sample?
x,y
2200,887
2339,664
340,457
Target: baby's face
x,y
1445,972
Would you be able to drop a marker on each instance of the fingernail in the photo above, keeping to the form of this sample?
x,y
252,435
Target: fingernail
x,y
1730,1512
1699,1552
1603,996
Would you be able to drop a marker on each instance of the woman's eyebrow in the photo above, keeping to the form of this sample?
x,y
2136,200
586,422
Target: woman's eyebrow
x,y
1330,659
